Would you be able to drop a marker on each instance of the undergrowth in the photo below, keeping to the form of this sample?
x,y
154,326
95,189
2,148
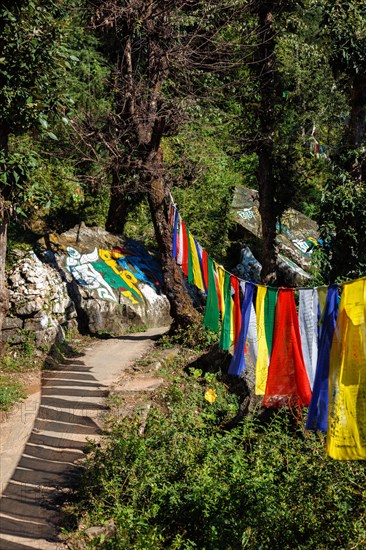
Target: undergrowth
x,y
10,392
185,482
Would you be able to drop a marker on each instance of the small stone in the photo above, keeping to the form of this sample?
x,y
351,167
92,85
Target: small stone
x,y
12,322
108,530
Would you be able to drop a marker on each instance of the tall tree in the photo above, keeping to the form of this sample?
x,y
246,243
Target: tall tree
x,y
30,52
153,45
267,114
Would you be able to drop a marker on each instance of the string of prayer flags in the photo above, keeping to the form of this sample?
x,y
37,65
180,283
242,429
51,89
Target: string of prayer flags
x,y
318,411
315,358
308,321
346,436
287,382
238,363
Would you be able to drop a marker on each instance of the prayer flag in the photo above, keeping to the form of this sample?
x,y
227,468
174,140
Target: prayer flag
x,y
184,249
287,382
318,410
194,268
261,367
236,307
308,321
212,312
175,234
346,437
226,336
238,364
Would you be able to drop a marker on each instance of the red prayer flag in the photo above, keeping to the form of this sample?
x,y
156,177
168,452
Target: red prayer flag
x,y
287,382
185,250
205,267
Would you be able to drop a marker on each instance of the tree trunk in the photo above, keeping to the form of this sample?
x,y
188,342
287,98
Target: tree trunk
x,y
356,129
181,307
357,123
266,182
268,214
118,210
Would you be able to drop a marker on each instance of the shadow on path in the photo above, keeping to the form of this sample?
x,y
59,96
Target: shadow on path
x,y
71,402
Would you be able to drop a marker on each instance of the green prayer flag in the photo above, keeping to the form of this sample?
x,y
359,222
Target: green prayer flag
x,y
225,336
212,313
270,301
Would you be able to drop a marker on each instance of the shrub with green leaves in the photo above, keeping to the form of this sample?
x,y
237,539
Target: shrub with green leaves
x,y
187,482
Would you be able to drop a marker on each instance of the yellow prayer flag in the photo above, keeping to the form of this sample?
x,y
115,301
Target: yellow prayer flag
x,y
261,367
346,437
196,268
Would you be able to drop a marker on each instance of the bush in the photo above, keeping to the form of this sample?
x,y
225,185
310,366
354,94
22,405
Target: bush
x,y
187,483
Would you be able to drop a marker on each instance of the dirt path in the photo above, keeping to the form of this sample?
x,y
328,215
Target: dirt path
x,y
40,457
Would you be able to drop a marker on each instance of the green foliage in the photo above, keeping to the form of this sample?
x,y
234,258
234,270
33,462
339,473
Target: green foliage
x,y
186,483
343,224
204,175
139,225
10,392
196,337
344,26
29,47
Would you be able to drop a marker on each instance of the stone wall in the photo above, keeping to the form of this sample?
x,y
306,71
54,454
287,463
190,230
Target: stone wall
x,y
39,303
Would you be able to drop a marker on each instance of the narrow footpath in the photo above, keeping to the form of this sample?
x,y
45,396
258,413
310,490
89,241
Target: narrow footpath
x,y
45,437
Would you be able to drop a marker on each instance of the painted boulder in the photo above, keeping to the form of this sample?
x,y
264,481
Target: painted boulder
x,y
297,235
113,281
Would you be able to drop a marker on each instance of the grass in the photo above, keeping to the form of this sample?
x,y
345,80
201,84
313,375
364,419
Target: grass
x,y
10,392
